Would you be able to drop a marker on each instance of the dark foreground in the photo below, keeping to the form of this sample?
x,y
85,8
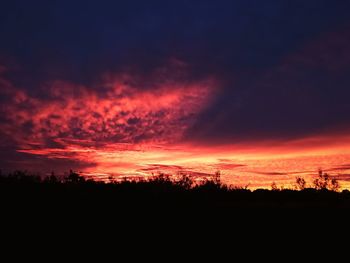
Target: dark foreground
x,y
133,213
161,216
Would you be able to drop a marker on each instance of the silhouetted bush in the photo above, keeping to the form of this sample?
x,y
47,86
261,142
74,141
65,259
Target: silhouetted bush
x,y
52,179
274,187
324,182
74,178
186,182
300,183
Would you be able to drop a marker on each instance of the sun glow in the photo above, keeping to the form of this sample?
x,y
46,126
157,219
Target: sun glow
x,y
124,130
240,165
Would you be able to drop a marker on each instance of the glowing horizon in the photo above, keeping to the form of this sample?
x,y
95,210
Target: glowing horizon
x,y
131,132
257,91
239,165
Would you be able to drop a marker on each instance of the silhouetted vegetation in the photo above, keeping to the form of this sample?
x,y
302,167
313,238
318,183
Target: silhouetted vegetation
x,y
161,192
324,182
300,183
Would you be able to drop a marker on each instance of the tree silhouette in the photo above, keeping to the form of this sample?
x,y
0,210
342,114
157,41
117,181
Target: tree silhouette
x,y
324,182
52,179
74,178
217,177
300,183
274,187
185,182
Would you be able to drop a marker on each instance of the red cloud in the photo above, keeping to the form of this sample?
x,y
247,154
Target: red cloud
x,y
128,130
120,113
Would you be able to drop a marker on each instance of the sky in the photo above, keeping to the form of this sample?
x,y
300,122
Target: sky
x,y
256,89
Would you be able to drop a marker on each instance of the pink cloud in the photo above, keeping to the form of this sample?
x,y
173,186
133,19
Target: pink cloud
x,y
75,115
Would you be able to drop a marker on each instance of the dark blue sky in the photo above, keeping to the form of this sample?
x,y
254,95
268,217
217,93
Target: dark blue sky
x,y
283,65
70,39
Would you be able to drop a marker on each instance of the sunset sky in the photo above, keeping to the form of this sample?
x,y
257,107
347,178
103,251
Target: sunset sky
x,y
259,90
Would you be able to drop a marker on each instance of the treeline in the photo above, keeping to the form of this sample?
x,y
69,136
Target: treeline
x,y
161,192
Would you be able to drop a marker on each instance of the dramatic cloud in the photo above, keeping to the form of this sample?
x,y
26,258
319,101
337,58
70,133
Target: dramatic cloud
x,y
119,113
189,86
97,126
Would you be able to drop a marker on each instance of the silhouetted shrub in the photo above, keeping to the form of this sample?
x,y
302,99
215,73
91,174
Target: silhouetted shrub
x,y
300,183
274,187
186,182
324,182
74,178
217,177
52,179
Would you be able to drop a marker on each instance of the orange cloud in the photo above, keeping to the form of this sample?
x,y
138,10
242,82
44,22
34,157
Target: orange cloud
x,y
127,130
122,113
